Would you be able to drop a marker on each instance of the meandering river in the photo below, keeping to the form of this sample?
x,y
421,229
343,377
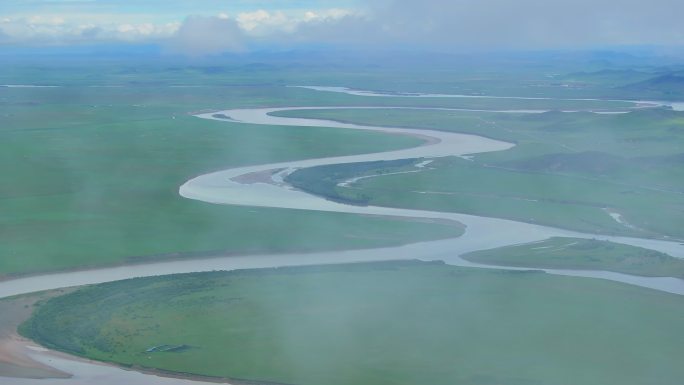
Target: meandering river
x,y
226,187
481,232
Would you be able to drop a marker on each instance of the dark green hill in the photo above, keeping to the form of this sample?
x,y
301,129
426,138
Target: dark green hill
x,y
668,84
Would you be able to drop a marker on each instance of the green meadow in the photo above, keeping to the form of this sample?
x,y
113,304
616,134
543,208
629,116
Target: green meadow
x,y
92,168
381,323
583,254
91,177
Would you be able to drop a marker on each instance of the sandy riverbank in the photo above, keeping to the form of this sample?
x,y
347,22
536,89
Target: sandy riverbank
x,y
22,362
15,351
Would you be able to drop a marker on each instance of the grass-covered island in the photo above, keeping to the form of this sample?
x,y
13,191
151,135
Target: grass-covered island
x,y
375,323
583,254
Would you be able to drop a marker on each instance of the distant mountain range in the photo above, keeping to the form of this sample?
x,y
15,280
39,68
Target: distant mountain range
x,y
663,81
668,84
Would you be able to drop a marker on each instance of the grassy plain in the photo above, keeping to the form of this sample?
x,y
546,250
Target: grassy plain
x,y
583,254
569,170
382,323
558,75
92,167
90,177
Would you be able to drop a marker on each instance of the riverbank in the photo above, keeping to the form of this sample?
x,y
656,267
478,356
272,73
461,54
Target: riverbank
x,y
15,351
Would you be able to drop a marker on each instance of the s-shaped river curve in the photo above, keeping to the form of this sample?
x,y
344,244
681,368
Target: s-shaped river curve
x,y
225,187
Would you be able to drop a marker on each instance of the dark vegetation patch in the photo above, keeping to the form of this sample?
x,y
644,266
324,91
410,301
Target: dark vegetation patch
x,y
583,254
323,180
668,84
382,323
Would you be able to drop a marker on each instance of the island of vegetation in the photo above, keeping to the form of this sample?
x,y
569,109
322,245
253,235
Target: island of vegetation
x,y
583,254
382,323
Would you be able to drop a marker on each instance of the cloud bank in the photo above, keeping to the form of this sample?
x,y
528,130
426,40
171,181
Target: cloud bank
x,y
200,35
533,23
447,25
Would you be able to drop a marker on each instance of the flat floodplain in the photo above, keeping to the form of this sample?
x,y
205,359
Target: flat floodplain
x,y
582,254
91,178
383,323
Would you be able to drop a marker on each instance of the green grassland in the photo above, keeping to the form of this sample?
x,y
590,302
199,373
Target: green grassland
x,y
568,170
176,98
91,177
583,254
91,173
563,76
381,323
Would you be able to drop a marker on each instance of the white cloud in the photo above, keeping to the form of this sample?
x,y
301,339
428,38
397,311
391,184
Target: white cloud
x,y
262,23
330,14
46,20
195,35
61,29
143,31
530,23
442,24
201,35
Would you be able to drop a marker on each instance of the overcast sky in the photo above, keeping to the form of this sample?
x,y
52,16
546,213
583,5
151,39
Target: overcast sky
x,y
198,27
